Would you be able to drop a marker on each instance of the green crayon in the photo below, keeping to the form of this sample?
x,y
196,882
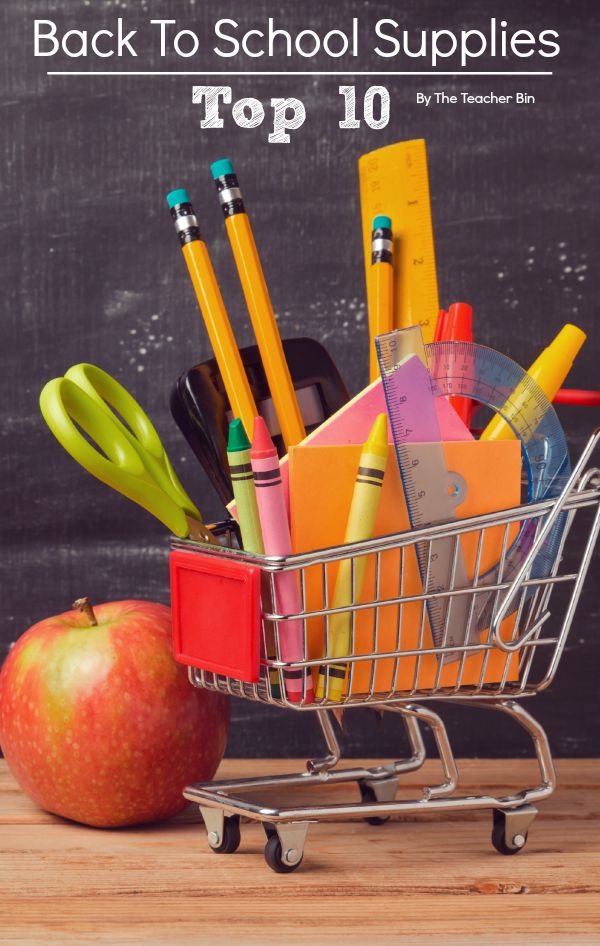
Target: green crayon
x,y
242,481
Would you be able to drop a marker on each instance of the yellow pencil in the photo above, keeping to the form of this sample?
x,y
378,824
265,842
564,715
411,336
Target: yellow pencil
x,y
549,370
259,303
394,180
381,304
212,307
360,525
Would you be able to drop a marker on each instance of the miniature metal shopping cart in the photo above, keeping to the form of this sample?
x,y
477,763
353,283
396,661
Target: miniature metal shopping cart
x,y
230,634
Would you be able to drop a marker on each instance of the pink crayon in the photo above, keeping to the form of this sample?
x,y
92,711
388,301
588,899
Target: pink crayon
x,y
277,541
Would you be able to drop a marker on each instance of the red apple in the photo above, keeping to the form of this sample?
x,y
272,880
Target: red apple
x,y
99,724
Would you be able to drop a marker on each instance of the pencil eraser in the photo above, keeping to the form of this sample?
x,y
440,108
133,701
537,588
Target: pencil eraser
x,y
221,168
382,222
179,196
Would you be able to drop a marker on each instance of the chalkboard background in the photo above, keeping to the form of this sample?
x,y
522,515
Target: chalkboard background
x,y
91,271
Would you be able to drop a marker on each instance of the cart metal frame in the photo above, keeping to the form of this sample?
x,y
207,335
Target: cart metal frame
x,y
512,589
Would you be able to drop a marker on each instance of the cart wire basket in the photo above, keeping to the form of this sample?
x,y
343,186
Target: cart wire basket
x,y
402,653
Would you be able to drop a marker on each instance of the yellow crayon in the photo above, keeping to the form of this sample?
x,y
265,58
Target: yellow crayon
x,y
244,490
549,370
360,525
381,303
259,304
212,307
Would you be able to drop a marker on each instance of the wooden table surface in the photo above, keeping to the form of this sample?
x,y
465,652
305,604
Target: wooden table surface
x,y
425,880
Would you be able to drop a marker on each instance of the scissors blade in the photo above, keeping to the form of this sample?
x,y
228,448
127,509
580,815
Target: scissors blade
x,y
66,408
112,397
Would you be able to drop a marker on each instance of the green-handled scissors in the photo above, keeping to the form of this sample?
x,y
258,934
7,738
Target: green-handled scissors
x,y
133,459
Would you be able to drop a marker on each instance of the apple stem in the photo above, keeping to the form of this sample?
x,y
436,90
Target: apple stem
x,y
84,605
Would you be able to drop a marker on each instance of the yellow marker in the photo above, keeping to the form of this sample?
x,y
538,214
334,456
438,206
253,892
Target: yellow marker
x,y
212,307
395,181
360,525
549,370
259,304
381,308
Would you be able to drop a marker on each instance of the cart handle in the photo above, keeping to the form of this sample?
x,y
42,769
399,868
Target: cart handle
x,y
512,646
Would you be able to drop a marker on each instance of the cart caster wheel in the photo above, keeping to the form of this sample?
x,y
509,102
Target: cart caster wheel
x,y
502,838
368,796
276,860
231,838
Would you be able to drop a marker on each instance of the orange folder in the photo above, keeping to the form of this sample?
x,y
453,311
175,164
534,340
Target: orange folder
x,y
321,485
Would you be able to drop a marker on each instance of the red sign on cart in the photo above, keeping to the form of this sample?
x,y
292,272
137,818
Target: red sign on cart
x,y
216,614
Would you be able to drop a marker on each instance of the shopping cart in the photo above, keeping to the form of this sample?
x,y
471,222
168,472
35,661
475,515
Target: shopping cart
x,y
229,633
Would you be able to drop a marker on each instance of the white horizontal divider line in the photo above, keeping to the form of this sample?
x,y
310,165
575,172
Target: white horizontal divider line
x,y
209,72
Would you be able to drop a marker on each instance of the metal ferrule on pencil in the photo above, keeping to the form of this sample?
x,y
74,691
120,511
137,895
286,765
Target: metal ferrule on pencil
x,y
230,195
186,223
381,245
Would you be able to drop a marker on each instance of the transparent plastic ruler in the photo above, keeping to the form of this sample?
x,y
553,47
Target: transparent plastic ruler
x,y
432,493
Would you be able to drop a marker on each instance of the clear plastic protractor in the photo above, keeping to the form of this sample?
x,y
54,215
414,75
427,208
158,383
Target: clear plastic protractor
x,y
493,379
498,382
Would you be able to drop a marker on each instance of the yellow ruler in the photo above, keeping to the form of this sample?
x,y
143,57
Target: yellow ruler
x,y
394,181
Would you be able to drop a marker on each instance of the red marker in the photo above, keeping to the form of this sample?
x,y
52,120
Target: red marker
x,y
277,541
575,396
440,326
458,327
